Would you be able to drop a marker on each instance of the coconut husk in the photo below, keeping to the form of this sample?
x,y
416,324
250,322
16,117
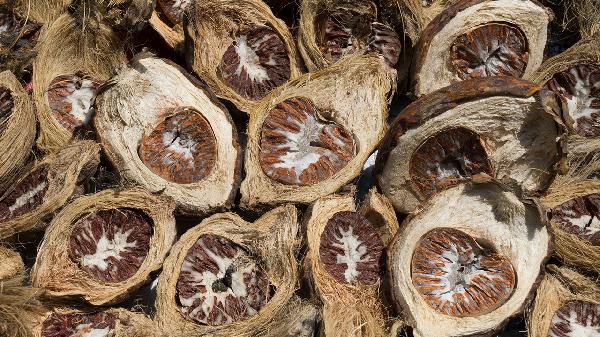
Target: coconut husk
x,y
41,11
301,319
497,109
67,169
431,69
20,308
354,94
142,96
210,27
19,132
348,309
56,272
272,239
559,286
173,36
17,44
492,215
583,16
415,17
12,264
92,48
123,15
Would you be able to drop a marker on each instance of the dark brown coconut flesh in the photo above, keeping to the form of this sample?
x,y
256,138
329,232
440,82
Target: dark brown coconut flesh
x,y
27,195
79,325
255,63
457,277
494,49
16,32
578,90
220,283
70,99
580,216
385,42
6,106
173,9
350,249
446,158
576,319
181,149
111,245
299,147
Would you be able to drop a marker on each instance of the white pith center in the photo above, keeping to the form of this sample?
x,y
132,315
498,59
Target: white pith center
x,y
181,4
300,153
589,224
207,278
105,248
4,28
577,329
354,252
174,143
249,60
579,105
81,100
86,330
25,198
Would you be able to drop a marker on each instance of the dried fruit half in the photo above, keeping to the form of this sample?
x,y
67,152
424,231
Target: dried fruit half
x,y
566,304
12,264
487,126
229,277
103,247
46,187
331,30
63,92
479,38
240,49
345,260
467,261
164,130
17,129
313,136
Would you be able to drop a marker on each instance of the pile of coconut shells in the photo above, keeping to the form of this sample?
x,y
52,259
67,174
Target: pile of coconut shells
x,y
299,168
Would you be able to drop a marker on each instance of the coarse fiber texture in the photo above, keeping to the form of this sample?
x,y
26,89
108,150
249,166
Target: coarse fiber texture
x,y
67,169
42,11
415,17
20,308
56,272
335,92
12,264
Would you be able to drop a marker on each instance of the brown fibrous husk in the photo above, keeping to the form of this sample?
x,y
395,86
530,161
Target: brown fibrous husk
x,y
67,169
415,17
12,264
56,272
20,308
272,239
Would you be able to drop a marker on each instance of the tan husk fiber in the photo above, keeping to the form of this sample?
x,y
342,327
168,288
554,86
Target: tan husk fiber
x,y
210,28
173,36
66,48
141,96
570,248
66,170
11,265
18,136
42,11
559,286
272,239
585,14
20,308
299,319
354,94
495,218
349,310
56,272
415,17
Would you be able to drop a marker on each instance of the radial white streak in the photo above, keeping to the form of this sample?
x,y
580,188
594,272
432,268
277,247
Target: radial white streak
x,y
24,199
81,100
86,330
249,60
174,143
105,248
577,329
355,252
579,105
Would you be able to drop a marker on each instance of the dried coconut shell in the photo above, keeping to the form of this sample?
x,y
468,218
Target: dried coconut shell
x,y
559,286
142,96
18,131
93,51
432,64
519,138
497,220
65,171
12,264
56,272
349,309
353,94
271,240
20,308
210,28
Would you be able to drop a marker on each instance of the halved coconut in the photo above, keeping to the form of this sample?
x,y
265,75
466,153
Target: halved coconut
x,y
229,277
240,49
467,261
480,38
331,30
102,247
311,137
46,187
74,59
345,253
17,129
12,264
491,126
566,304
164,130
